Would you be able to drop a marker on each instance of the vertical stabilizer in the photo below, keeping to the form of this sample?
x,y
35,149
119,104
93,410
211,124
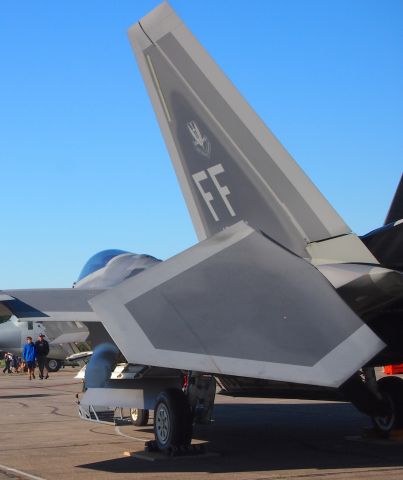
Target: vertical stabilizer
x,y
396,208
229,164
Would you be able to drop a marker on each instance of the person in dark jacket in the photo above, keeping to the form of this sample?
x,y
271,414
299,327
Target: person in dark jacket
x,y
7,362
29,355
42,350
14,362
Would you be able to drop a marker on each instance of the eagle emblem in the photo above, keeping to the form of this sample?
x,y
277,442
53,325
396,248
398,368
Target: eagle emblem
x,y
200,142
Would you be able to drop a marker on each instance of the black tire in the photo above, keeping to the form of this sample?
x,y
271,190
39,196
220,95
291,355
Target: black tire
x,y
172,420
392,391
139,417
53,365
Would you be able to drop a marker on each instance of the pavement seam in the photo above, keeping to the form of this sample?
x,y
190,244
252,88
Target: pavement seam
x,y
22,474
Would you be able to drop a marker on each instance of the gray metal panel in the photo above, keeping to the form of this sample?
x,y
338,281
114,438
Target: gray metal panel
x,y
343,249
52,304
238,304
365,288
244,139
248,197
254,297
126,394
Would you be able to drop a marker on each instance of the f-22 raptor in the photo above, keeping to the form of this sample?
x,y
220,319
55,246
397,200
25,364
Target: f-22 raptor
x,y
278,299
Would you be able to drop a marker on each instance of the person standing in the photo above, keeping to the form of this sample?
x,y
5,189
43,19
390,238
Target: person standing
x,y
14,362
29,355
42,350
7,362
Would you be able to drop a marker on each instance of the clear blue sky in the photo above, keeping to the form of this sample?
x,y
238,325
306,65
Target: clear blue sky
x,y
84,166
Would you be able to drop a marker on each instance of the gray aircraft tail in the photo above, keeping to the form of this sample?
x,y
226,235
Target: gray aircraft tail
x,y
229,164
396,208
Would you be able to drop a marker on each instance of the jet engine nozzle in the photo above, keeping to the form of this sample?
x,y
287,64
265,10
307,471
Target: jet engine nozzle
x,y
99,368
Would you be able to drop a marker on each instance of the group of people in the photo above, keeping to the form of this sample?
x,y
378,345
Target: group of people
x,y
37,352
12,362
33,354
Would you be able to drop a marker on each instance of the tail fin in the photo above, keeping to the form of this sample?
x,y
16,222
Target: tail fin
x,y
230,166
396,208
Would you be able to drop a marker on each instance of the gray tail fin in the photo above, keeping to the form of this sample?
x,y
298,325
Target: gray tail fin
x,y
396,208
229,164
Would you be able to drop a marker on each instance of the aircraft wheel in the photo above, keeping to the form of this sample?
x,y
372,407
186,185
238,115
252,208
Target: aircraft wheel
x,y
139,416
54,365
172,421
392,391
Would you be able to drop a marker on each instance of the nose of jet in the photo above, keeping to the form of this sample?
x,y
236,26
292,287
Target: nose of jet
x,y
10,336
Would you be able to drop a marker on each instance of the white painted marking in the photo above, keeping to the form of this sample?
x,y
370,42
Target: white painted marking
x,y
207,196
223,190
19,472
117,430
200,142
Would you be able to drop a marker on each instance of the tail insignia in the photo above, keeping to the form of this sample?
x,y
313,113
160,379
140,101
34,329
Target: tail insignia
x,y
200,142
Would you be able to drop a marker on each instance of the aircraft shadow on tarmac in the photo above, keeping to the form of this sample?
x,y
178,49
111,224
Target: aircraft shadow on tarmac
x,y
262,437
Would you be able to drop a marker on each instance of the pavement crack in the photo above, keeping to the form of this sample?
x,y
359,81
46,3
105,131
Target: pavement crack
x,y
55,411
92,430
42,447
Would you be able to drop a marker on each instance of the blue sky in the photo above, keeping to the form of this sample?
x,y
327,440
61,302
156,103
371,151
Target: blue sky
x,y
84,166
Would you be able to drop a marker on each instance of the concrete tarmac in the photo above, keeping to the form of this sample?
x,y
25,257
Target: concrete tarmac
x,y
259,439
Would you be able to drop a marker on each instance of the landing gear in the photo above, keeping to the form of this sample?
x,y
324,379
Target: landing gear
x,y
172,421
54,365
381,400
391,389
139,416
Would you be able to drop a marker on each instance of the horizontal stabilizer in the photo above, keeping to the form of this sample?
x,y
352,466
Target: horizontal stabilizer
x,y
238,304
230,165
47,305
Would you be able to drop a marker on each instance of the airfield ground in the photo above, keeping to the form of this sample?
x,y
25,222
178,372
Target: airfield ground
x,y
256,439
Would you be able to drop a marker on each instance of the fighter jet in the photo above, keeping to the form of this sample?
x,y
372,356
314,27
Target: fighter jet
x,y
278,299
99,271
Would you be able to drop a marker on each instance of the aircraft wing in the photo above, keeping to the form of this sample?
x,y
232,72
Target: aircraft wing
x,y
54,304
240,304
